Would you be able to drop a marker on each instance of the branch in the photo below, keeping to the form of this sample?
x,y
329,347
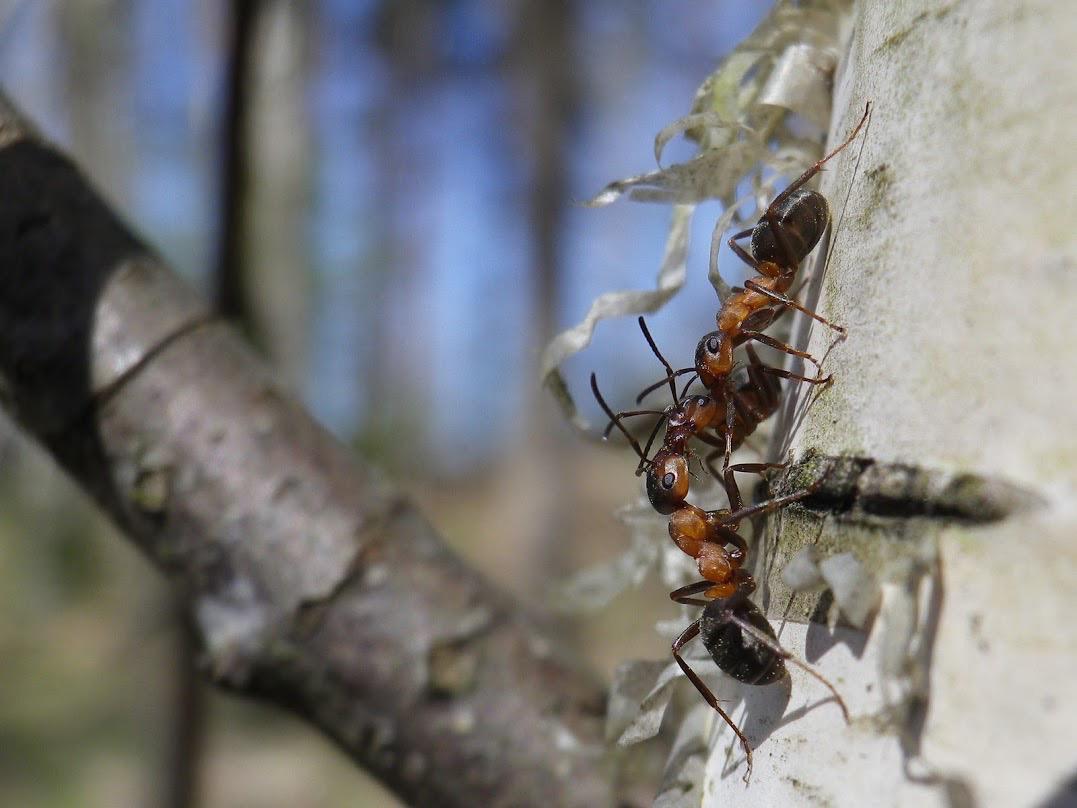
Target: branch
x,y
313,583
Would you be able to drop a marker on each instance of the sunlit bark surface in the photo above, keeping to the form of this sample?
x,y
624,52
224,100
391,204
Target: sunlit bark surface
x,y
954,271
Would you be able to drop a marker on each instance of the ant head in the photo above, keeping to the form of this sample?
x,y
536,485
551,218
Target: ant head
x,y
667,481
802,219
695,412
713,356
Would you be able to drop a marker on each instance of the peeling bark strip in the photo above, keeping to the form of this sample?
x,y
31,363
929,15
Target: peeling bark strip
x,y
314,584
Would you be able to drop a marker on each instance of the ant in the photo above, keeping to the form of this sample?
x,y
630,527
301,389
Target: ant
x,y
701,534
783,237
738,636
741,641
691,416
734,631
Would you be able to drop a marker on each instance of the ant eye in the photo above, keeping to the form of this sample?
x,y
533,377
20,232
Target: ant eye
x,y
668,480
712,345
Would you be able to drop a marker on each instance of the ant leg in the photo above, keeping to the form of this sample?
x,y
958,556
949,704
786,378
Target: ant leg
x,y
615,419
658,385
786,301
744,468
785,374
732,490
767,385
772,505
769,642
730,413
767,269
817,166
739,555
684,594
686,637
777,345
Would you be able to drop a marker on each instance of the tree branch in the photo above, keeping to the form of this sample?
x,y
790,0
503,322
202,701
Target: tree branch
x,y
314,584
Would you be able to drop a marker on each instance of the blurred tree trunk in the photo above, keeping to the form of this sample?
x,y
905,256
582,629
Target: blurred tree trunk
x,y
95,38
261,277
953,392
545,70
404,32
274,225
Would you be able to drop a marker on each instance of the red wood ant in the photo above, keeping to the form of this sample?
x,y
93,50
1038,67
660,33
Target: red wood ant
x,y
785,234
701,534
738,636
691,416
741,642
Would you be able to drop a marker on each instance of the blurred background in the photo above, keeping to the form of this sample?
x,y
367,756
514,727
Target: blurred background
x,y
382,195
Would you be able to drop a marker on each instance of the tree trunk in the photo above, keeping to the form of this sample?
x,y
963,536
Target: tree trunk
x,y
953,414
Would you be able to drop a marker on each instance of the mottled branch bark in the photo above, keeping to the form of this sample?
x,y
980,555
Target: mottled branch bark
x,y
313,583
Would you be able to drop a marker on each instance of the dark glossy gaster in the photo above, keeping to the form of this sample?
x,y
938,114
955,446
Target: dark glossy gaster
x,y
742,644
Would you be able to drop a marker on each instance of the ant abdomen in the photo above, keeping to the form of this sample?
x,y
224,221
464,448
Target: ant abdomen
x,y
738,654
802,217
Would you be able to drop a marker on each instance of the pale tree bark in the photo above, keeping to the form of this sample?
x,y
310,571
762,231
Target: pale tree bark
x,y
313,583
953,414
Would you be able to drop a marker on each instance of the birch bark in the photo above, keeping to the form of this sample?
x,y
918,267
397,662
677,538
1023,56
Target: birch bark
x,y
954,273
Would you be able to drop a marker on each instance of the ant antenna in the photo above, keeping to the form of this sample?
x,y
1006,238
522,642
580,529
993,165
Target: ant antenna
x,y
693,380
616,421
633,414
644,462
662,382
662,359
849,190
